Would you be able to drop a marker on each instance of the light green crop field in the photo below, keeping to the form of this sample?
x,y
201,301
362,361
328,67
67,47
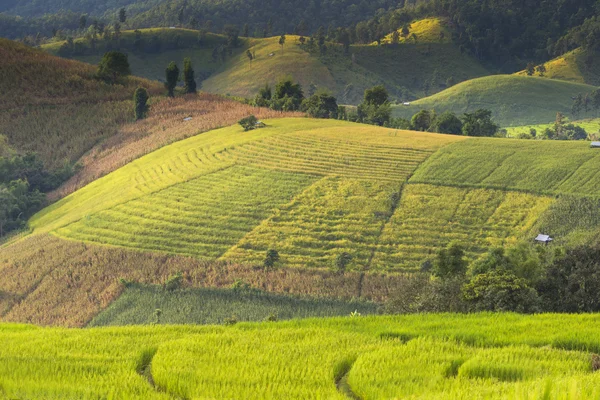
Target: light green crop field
x,y
310,189
514,100
476,356
591,126
138,305
575,66
313,189
430,217
542,167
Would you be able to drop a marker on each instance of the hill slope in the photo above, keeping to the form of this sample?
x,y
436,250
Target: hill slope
x,y
514,100
346,75
576,66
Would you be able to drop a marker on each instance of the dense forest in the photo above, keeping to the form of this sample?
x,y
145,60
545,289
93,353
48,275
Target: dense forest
x,y
505,34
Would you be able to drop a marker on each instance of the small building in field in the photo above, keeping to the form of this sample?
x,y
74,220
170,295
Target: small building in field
x,y
545,239
595,145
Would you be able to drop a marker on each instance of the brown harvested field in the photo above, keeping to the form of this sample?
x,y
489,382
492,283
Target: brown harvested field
x,y
52,281
165,124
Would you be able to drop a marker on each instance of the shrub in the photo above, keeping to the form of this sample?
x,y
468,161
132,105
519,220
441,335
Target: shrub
x,y
341,262
271,258
174,282
501,291
248,123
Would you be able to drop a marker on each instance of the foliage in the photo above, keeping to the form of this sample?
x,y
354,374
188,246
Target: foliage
x,y
571,283
342,261
375,108
113,67
248,123
140,101
321,105
500,291
172,77
447,123
287,96
479,123
188,77
450,262
271,258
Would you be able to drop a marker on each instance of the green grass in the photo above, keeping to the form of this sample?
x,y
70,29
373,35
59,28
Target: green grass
x,y
542,167
476,356
137,306
430,217
574,66
591,126
514,100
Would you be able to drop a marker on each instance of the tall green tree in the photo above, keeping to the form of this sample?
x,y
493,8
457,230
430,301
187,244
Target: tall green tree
x,y
479,123
140,101
114,66
450,262
282,42
122,15
188,77
172,77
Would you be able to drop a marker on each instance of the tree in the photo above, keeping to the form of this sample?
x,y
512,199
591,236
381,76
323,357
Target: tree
x,y
282,42
376,96
249,55
450,262
501,291
188,77
341,262
248,123
232,32
405,30
541,69
113,66
422,120
530,69
122,15
271,258
82,22
140,100
322,105
446,123
479,123
172,75
572,282
395,37
246,31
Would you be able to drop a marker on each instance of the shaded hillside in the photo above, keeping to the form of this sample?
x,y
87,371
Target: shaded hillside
x,y
409,70
514,100
576,66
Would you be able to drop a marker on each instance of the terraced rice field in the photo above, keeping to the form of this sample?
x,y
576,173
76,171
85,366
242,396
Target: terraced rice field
x,y
449,356
313,189
430,217
543,167
334,215
202,217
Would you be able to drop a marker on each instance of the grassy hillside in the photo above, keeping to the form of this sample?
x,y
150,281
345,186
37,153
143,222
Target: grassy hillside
x,y
591,126
313,189
138,305
56,107
446,356
346,75
514,100
576,66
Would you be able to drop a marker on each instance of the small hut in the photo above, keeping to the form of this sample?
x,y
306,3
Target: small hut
x,y
545,239
595,145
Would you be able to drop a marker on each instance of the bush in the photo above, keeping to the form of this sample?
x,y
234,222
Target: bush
x,y
450,262
248,123
174,282
572,282
341,262
500,291
271,258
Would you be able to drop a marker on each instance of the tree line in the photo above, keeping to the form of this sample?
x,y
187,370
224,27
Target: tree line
x,y
523,278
